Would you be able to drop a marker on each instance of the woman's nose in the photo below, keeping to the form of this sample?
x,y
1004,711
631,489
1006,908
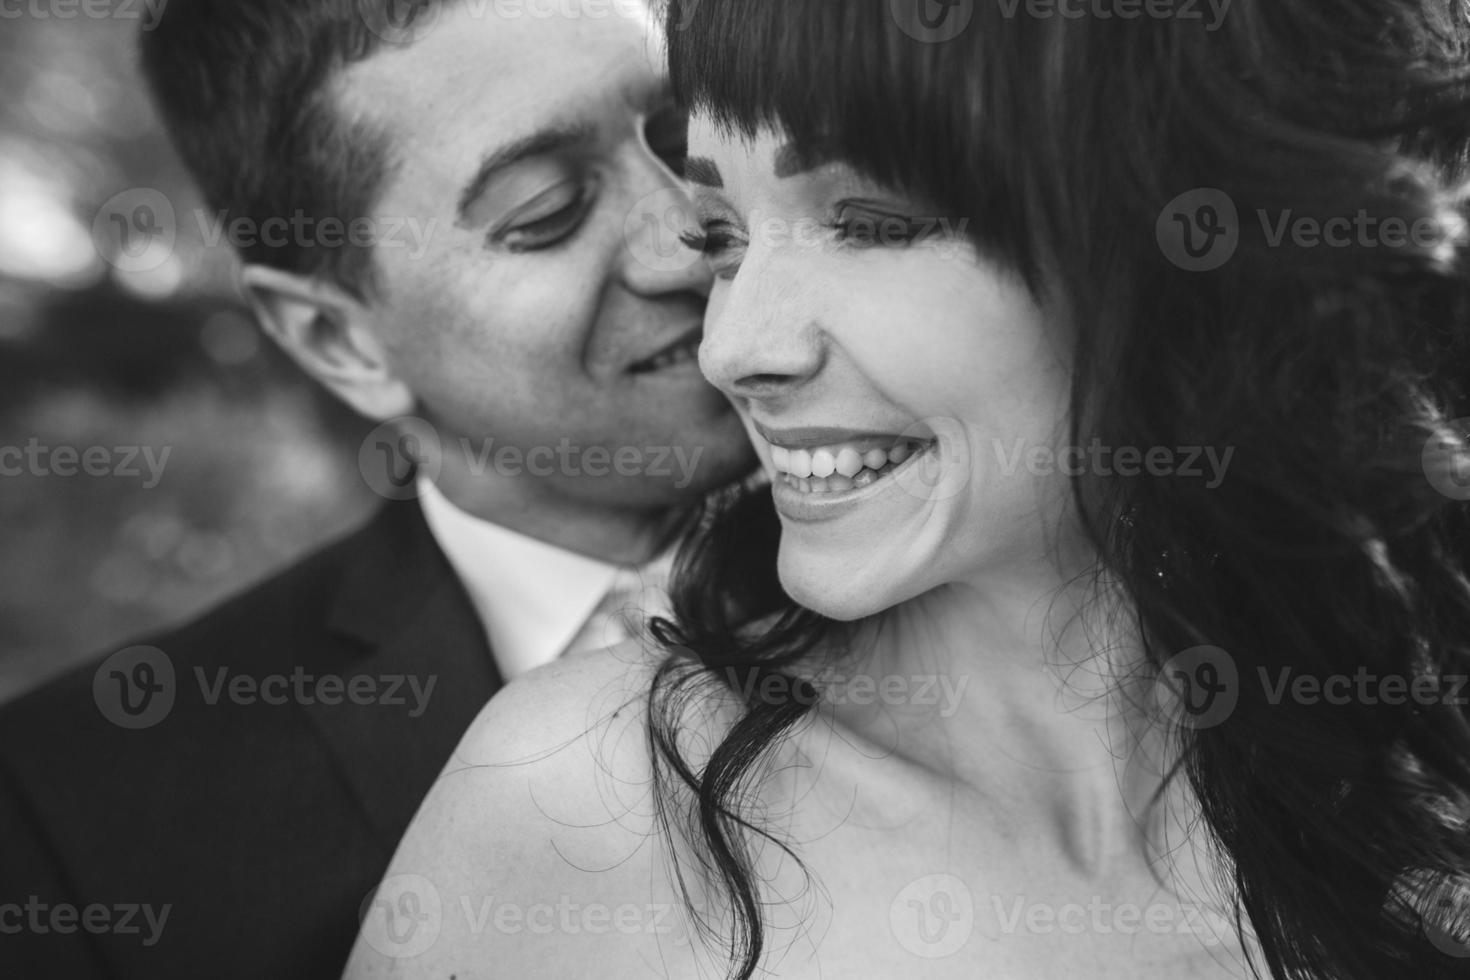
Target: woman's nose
x,y
761,338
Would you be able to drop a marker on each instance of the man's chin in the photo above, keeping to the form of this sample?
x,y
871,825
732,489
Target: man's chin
x,y
699,469
660,473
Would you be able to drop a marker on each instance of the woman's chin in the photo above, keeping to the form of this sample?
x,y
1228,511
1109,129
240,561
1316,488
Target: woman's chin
x,y
841,591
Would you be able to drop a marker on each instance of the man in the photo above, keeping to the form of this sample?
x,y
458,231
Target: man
x,y
222,800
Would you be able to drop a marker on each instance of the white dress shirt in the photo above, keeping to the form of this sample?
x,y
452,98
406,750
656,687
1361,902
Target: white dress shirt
x,y
536,600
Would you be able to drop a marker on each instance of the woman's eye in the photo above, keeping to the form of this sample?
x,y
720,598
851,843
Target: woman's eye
x,y
719,243
864,227
547,219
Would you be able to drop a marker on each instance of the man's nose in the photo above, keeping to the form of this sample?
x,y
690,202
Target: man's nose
x,y
760,339
657,258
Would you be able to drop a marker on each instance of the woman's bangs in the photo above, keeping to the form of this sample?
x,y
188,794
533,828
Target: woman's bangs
x,y
841,80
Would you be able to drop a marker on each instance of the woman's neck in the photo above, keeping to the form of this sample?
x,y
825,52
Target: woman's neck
x,y
1016,693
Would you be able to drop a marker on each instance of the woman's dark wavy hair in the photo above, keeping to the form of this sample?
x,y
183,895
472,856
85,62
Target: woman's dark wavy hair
x,y
1345,828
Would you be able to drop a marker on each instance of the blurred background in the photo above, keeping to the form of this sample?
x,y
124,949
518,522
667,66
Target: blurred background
x,y
121,330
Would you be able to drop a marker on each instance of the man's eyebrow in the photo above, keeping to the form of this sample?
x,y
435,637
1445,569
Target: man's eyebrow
x,y
702,171
550,139
794,159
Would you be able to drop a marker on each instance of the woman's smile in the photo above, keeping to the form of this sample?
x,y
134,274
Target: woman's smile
x,y
835,464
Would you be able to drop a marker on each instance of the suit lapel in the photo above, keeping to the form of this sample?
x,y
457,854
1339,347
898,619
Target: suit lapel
x,y
419,642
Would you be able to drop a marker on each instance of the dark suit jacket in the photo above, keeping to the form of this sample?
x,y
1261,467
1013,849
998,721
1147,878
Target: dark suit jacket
x,y
261,827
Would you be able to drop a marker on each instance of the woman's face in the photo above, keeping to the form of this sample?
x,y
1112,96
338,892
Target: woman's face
x,y
902,391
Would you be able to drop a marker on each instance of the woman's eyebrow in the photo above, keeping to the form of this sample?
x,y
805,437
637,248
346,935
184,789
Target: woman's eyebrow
x,y
704,172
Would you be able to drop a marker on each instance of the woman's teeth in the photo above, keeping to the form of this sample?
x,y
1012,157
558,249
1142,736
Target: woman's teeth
x,y
834,469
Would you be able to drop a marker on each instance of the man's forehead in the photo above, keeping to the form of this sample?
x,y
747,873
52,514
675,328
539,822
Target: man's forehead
x,y
477,64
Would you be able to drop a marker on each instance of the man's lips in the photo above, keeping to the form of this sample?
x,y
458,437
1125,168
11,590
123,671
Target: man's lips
x,y
683,348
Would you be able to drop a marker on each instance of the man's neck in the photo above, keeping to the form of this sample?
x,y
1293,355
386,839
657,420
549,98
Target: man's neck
x,y
538,509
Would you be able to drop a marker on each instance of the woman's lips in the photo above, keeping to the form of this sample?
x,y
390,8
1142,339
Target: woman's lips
x,y
813,500
817,436
835,460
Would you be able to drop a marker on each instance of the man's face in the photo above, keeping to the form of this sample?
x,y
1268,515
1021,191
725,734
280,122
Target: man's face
x,y
534,313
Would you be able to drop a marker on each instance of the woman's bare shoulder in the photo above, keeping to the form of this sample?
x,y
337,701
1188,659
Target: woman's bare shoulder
x,y
539,845
548,709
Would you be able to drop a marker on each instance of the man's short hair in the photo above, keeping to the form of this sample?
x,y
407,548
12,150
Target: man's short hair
x,y
244,87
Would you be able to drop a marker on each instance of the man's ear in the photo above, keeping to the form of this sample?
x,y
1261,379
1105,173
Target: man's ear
x,y
331,335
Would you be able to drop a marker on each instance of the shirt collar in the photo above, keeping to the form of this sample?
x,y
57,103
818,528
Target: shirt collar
x,y
532,597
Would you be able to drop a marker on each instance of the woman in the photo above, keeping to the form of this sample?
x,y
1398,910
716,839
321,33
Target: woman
x,y
1106,611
